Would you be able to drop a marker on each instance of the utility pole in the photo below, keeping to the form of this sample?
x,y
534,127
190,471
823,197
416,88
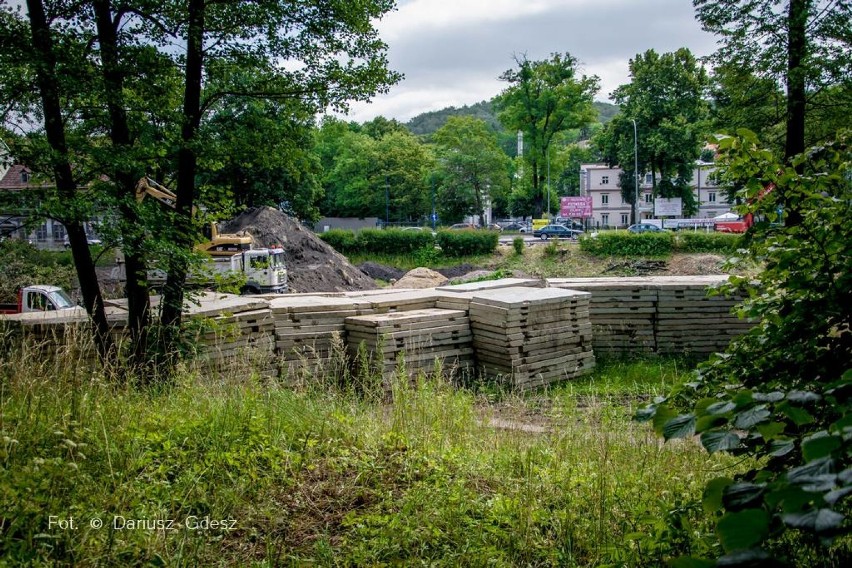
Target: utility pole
x,y
548,182
387,203
636,172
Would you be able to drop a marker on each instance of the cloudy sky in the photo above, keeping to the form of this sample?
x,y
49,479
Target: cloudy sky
x,y
452,51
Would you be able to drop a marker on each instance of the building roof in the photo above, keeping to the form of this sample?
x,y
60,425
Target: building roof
x,y
15,179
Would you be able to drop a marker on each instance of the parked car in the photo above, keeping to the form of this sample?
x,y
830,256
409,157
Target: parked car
x,y
461,226
418,229
556,232
644,228
493,227
520,227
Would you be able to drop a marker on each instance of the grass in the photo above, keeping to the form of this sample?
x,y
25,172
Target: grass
x,y
428,474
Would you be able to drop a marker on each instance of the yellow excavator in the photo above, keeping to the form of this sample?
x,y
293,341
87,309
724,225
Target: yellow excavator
x,y
218,244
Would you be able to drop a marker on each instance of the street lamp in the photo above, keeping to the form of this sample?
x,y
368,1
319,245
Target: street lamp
x,y
548,182
636,171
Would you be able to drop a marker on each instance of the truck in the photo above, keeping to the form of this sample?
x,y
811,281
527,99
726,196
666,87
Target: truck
x,y
263,269
39,298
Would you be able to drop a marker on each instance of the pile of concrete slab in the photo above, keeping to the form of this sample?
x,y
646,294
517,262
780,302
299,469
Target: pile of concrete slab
x,y
421,339
659,314
691,321
309,328
532,336
232,327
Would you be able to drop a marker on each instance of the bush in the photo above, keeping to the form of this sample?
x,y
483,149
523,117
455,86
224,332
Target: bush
x,y
342,240
467,243
623,243
782,393
379,241
699,241
22,264
518,245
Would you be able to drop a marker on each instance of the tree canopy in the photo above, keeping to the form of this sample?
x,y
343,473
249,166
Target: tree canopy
x,y
545,98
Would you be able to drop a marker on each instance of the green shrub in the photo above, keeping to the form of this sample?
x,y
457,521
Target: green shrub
x,y
518,245
467,243
699,241
22,264
623,243
342,240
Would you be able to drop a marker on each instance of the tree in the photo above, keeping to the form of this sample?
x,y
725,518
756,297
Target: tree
x,y
543,99
802,44
322,53
473,169
261,153
781,393
665,98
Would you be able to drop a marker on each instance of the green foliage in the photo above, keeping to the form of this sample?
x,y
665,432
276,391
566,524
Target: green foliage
x,y
624,243
344,241
666,99
22,264
379,241
518,245
781,393
700,241
467,243
543,99
472,169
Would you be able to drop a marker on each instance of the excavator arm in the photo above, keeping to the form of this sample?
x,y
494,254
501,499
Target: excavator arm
x,y
219,245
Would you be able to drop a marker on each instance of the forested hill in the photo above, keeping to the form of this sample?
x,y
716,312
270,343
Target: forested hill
x,y
429,122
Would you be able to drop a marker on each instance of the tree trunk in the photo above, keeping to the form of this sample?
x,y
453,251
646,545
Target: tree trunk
x,y
170,317
136,287
796,53
66,187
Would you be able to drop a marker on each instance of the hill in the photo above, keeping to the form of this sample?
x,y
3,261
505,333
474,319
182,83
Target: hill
x,y
428,122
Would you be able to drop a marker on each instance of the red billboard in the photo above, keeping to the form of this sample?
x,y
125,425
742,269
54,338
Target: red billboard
x,y
576,207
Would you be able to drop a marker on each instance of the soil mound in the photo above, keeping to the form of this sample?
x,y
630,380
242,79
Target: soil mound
x,y
421,278
312,265
381,271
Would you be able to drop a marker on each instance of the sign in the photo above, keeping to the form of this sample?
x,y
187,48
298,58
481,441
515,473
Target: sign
x,y
434,216
574,207
668,207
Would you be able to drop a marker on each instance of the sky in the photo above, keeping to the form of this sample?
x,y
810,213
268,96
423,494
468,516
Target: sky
x,y
453,51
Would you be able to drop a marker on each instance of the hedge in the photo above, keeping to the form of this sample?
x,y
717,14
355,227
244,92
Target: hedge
x,y
623,243
378,241
700,241
465,243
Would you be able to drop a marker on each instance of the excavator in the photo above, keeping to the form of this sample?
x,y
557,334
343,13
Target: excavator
x,y
218,244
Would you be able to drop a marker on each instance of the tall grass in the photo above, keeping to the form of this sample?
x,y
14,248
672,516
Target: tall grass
x,y
428,474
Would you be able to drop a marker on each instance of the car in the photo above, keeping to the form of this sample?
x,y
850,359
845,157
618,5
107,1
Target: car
x,y
462,226
421,229
644,228
556,232
493,227
520,227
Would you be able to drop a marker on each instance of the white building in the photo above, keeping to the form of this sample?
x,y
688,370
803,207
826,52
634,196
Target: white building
x,y
609,210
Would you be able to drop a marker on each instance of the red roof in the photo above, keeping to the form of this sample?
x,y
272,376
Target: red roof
x,y
14,178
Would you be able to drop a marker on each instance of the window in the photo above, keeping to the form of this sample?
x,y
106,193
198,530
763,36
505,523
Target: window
x,y
25,177
711,197
605,180
605,219
604,199
649,179
624,218
649,198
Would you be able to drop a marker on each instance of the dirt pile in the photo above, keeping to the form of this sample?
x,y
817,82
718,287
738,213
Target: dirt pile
x,y
312,265
420,278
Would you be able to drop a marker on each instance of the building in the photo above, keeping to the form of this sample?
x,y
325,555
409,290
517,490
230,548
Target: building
x,y
600,181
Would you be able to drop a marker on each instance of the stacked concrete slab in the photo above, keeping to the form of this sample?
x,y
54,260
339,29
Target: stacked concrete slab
x,y
691,321
233,327
622,312
530,337
421,337
307,328
659,314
